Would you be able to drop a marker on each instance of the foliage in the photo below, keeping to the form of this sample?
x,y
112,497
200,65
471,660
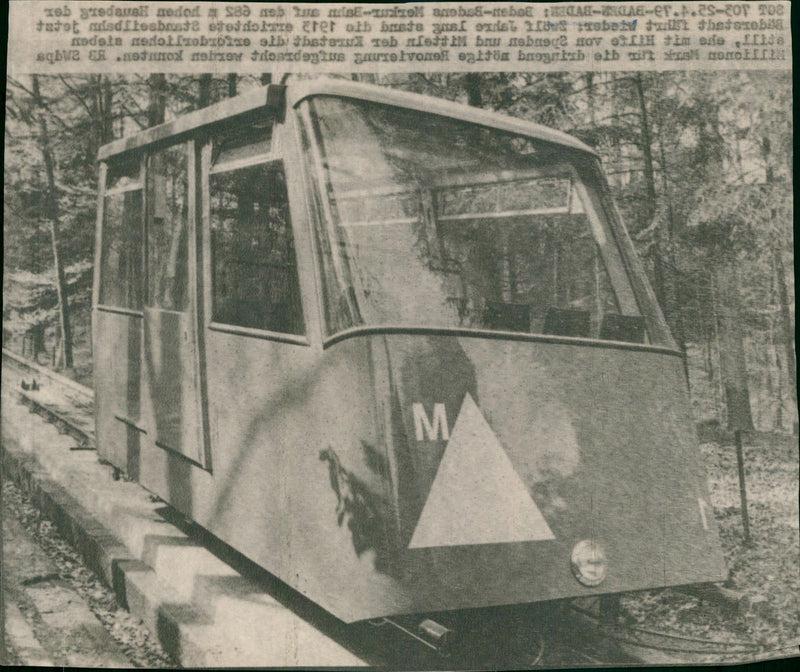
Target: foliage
x,y
700,165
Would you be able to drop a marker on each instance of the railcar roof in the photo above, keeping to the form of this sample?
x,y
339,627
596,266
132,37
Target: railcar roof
x,y
414,101
299,91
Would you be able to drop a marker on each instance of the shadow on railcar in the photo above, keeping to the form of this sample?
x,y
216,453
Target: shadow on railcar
x,y
398,352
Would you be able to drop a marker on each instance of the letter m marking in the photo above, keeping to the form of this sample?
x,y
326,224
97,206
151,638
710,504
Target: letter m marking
x,y
424,426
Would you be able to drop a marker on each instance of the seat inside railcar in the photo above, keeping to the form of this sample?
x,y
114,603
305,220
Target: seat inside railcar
x,y
521,242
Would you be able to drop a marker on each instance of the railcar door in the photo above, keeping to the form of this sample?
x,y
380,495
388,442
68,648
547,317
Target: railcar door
x,y
170,348
116,321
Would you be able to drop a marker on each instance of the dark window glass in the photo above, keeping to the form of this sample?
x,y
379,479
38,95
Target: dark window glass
x,y
255,280
167,230
121,253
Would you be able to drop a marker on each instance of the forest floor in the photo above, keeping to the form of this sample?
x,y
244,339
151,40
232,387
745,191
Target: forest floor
x,y
58,611
766,571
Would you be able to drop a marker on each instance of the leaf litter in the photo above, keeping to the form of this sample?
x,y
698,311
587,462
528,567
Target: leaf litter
x,y
766,572
129,632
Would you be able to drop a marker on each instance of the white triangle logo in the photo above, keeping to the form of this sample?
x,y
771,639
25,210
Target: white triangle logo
x,y
477,497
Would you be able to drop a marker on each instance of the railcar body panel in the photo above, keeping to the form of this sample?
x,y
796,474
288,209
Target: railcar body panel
x,y
171,386
385,468
327,485
117,364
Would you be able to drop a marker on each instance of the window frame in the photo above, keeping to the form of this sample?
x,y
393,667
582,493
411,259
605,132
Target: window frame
x,y
103,192
189,147
311,164
271,158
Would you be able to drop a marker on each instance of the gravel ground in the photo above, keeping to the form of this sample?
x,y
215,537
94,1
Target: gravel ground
x,y
767,571
129,632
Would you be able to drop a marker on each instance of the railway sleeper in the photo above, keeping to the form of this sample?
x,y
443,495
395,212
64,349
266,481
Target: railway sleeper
x,y
598,621
727,600
62,424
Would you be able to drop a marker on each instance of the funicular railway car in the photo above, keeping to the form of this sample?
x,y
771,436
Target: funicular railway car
x,y
397,351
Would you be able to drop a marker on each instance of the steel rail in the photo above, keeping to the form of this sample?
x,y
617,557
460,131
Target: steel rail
x,y
33,367
54,414
670,641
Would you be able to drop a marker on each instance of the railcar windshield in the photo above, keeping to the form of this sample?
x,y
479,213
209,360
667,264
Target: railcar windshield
x,y
426,221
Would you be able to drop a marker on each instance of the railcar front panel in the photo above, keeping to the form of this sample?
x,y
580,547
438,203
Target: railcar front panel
x,y
458,476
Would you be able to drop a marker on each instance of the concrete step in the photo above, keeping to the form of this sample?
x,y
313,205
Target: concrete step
x,y
197,607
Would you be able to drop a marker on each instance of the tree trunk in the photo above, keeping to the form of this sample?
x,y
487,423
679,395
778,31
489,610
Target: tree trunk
x,y
774,365
647,151
108,112
589,79
204,90
783,292
95,105
658,277
667,263
51,205
786,324
719,391
472,85
733,366
707,350
779,411
157,103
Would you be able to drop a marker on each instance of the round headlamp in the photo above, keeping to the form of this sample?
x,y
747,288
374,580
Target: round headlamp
x,y
588,562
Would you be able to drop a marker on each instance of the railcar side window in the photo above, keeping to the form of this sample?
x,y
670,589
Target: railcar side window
x,y
121,250
167,230
254,267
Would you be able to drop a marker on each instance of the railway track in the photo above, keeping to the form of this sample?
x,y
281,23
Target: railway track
x,y
61,401
579,635
641,645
